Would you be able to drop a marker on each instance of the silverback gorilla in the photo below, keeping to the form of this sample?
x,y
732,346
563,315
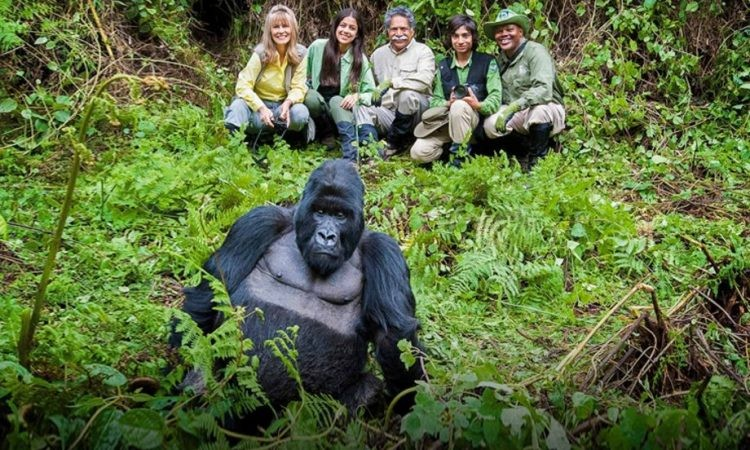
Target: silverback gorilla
x,y
316,266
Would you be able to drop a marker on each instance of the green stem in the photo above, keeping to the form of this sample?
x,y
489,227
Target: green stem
x,y
395,400
28,324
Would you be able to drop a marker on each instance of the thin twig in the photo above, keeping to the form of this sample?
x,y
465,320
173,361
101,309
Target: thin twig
x,y
630,329
710,300
105,38
579,348
657,311
704,249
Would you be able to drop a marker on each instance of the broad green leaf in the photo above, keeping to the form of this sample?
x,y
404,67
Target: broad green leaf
x,y
584,405
142,428
67,428
61,116
578,231
112,377
692,7
407,356
658,159
557,439
613,413
19,369
491,431
719,396
412,426
514,418
634,427
490,406
7,105
106,432
3,228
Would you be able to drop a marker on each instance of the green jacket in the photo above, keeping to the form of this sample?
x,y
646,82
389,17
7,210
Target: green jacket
x,y
530,78
315,63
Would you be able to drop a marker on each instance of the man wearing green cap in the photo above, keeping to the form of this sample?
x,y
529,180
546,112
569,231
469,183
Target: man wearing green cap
x,y
532,109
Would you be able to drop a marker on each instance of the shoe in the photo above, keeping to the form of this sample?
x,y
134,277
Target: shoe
x,y
455,151
539,135
329,142
400,134
348,137
388,150
523,162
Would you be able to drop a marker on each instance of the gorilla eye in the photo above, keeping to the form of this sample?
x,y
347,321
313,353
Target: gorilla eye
x,y
340,215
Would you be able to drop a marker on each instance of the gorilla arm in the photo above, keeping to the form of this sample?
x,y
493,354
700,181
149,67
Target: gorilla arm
x,y
247,240
388,308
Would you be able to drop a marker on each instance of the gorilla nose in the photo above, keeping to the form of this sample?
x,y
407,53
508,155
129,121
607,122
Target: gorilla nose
x,y
326,237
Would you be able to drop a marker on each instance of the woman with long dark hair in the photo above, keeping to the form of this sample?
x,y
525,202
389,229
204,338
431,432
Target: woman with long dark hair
x,y
339,78
271,88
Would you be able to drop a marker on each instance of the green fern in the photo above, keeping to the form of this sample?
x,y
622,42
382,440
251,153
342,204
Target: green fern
x,y
282,346
9,29
485,271
544,282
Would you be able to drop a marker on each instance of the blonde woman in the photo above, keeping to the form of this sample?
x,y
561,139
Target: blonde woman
x,y
271,88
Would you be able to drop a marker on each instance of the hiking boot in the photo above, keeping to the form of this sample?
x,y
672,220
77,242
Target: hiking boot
x,y
399,135
348,137
539,135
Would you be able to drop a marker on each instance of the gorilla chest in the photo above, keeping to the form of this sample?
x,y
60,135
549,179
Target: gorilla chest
x,y
289,293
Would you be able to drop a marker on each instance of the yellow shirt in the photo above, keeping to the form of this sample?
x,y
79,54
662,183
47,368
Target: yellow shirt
x,y
270,85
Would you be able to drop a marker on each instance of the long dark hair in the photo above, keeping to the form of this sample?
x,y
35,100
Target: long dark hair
x,y
456,22
330,72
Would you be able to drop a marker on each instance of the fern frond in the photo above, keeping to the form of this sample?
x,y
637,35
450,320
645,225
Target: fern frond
x,y
543,282
283,347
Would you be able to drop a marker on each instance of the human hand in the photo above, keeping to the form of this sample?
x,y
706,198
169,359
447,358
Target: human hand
x,y
284,112
472,100
349,101
266,116
380,90
504,115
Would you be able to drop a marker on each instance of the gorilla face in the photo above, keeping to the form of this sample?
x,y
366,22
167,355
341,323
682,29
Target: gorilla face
x,y
329,220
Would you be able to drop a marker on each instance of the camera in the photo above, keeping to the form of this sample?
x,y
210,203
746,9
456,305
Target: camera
x,y
460,91
279,124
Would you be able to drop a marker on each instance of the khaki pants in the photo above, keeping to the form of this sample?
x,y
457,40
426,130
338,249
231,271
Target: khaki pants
x,y
462,120
521,121
406,102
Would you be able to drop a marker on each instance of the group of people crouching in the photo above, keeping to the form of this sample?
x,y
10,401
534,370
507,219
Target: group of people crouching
x,y
472,102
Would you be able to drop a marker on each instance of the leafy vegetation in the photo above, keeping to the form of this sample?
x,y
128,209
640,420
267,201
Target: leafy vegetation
x,y
601,301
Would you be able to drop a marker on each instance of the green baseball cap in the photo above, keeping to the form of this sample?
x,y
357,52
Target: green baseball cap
x,y
505,17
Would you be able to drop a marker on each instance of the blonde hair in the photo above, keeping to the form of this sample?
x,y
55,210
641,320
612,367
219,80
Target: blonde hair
x,y
280,14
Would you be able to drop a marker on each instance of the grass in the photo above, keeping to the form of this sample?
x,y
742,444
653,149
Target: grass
x,y
510,271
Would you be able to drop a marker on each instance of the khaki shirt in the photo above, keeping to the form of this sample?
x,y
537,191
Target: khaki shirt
x,y
412,69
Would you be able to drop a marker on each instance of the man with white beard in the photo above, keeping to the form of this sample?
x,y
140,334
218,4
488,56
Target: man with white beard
x,y
404,70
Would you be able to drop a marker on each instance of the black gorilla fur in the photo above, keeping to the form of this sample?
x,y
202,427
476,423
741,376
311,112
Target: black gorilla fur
x,y
352,288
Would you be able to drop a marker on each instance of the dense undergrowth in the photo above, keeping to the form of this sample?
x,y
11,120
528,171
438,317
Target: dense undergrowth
x,y
637,231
